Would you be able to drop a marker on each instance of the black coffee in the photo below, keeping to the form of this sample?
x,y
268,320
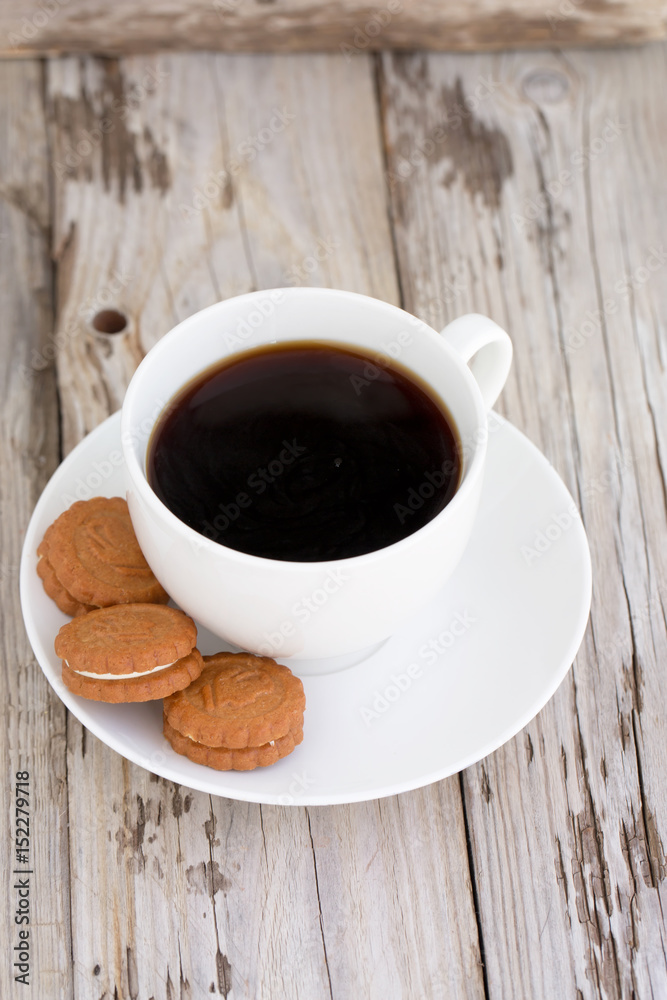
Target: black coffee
x,y
305,452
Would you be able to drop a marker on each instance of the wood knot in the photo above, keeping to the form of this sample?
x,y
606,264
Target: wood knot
x,y
545,86
109,321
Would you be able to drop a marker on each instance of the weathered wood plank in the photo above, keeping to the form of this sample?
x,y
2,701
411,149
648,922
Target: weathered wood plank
x,y
234,173
131,142
353,26
394,875
529,187
33,718
311,147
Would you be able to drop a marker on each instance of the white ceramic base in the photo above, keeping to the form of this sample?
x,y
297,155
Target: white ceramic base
x,y
467,673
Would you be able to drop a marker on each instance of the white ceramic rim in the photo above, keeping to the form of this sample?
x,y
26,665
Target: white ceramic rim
x,y
136,470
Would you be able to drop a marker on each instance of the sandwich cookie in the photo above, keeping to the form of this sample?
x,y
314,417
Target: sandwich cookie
x,y
90,557
223,759
242,712
129,652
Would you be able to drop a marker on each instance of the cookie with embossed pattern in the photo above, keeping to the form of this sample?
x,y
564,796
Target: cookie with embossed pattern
x,y
238,701
129,652
55,589
224,759
93,553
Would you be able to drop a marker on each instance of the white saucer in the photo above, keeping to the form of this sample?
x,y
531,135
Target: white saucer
x,y
508,625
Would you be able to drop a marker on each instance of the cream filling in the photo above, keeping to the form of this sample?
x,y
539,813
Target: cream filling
x,y
122,677
271,743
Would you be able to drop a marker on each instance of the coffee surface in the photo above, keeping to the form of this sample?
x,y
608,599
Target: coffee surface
x,y
304,451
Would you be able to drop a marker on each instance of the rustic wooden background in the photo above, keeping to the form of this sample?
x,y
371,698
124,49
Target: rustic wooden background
x,y
126,27
526,186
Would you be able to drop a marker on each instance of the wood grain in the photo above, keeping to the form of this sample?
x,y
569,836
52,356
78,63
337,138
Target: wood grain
x,y
195,195
33,719
349,26
538,201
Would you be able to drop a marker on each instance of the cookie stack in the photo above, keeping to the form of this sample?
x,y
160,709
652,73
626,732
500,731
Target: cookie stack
x,y
90,558
129,652
242,712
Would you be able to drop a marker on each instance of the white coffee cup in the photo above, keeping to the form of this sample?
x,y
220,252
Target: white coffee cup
x,y
307,610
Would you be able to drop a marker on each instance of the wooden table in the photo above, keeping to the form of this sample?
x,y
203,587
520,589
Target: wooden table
x,y
530,187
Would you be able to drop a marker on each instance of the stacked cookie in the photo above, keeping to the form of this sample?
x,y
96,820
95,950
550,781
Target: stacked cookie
x,y
242,712
90,558
123,644
129,652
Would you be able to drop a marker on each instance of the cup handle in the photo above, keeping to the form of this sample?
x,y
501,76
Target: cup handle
x,y
486,349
